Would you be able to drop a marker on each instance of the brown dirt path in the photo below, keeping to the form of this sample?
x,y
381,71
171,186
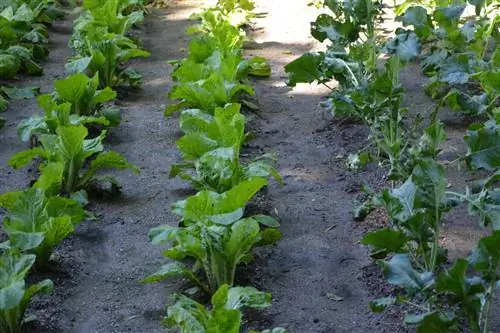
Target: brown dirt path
x,y
315,272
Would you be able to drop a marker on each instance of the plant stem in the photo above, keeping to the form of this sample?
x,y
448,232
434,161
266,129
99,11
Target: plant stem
x,y
212,281
435,243
489,31
486,309
485,316
421,308
372,61
326,85
354,80
70,178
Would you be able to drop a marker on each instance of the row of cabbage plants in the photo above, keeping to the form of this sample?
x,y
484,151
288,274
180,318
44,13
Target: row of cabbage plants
x,y
67,141
215,235
23,42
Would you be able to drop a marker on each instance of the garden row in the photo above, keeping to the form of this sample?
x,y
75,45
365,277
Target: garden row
x,y
23,41
462,59
215,235
68,143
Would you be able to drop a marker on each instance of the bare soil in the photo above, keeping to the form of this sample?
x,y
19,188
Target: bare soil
x,y
320,277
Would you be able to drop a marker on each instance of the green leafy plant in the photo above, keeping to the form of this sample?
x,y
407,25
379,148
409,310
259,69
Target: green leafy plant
x,y
465,290
205,132
15,296
379,104
104,54
22,40
101,44
483,197
445,33
12,93
220,169
17,58
483,101
217,32
364,90
37,222
66,158
211,146
106,16
214,72
351,56
44,12
415,210
236,12
483,146
441,296
55,116
215,234
225,314
76,101
19,28
457,55
210,84
85,97
207,94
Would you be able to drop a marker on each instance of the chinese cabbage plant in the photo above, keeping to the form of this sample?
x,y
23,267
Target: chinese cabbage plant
x,y
75,101
107,16
15,295
38,221
238,13
215,234
211,147
101,43
223,316
215,72
104,54
23,37
71,160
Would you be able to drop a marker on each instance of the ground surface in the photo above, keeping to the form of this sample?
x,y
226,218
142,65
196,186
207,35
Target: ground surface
x,y
319,275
